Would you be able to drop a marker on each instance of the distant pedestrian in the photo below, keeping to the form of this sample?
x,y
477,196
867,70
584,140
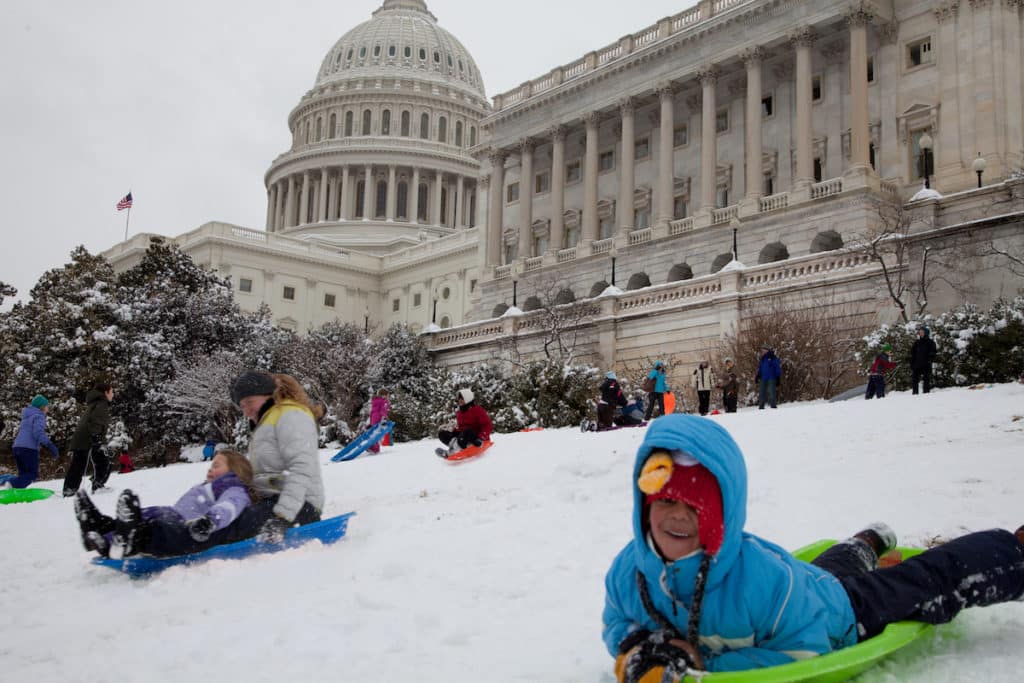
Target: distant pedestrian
x,y
703,380
656,385
730,386
769,377
31,438
209,449
876,375
89,442
922,355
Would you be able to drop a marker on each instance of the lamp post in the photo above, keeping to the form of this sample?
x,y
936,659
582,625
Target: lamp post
x,y
979,167
515,285
735,231
433,317
366,320
614,253
926,153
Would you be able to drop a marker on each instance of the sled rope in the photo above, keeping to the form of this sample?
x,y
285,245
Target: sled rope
x,y
696,606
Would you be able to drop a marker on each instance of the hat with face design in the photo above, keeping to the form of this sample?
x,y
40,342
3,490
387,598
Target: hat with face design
x,y
679,476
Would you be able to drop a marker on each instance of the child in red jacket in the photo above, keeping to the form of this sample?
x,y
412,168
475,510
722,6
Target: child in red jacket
x,y
876,375
472,425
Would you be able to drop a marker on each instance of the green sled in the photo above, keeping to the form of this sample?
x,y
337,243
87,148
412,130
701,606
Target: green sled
x,y
8,496
840,665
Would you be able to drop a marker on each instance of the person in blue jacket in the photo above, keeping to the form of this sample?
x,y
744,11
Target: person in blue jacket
x,y
769,377
209,449
658,382
31,437
693,590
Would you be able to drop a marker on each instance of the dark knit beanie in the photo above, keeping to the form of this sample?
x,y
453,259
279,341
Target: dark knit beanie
x,y
252,383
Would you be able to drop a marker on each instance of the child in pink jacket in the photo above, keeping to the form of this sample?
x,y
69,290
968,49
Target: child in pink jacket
x,y
379,407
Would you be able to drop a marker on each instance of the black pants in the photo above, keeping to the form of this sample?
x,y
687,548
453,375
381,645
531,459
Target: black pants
x,y
919,374
465,437
703,401
163,538
978,569
79,461
605,413
876,386
729,402
655,398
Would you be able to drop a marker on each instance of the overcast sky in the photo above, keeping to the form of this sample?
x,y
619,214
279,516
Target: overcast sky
x,y
187,103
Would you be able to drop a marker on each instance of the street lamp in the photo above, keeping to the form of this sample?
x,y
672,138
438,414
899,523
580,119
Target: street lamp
x,y
979,167
515,285
433,317
735,230
926,157
366,320
614,253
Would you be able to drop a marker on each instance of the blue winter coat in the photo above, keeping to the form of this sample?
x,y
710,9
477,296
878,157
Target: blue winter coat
x,y
32,431
762,606
769,368
660,382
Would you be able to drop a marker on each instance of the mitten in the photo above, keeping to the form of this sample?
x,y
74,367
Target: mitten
x,y
652,658
273,530
200,529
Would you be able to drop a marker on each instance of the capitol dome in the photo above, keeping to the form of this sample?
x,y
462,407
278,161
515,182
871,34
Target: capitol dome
x,y
402,36
381,155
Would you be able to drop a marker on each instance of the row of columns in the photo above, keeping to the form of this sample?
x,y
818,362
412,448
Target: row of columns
x,y
333,196
801,40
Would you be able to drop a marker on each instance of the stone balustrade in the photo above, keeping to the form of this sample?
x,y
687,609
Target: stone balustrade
x,y
566,255
678,227
602,246
503,272
773,202
826,188
532,264
640,236
725,214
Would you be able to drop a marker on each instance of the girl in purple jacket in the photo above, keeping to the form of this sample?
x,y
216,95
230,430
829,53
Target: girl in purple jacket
x,y
379,407
202,510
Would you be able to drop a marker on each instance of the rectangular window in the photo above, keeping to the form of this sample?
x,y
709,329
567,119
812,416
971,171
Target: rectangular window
x,y
919,52
572,237
817,169
642,149
289,293
540,245
816,88
920,160
245,285
767,107
396,305
722,197
417,299
681,136
722,121
606,228
768,187
871,69
679,208
572,171
472,286
542,182
642,218
512,193
606,161
329,300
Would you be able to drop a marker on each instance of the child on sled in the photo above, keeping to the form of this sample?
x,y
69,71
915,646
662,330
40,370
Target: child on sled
x,y
203,509
693,590
472,425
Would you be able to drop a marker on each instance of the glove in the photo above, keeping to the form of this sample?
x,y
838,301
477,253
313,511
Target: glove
x,y
649,660
200,529
273,530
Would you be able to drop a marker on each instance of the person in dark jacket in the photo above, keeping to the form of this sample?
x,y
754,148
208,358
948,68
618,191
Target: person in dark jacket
x,y
769,377
730,386
89,441
922,354
876,375
31,437
611,396
472,425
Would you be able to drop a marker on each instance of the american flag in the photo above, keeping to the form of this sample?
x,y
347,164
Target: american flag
x,y
125,203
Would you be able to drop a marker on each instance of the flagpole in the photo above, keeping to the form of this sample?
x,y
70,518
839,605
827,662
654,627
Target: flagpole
x,y
126,218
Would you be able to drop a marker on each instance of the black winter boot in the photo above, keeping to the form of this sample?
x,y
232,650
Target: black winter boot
x,y
128,529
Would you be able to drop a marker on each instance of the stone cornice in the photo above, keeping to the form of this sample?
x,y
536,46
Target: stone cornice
x,y
372,94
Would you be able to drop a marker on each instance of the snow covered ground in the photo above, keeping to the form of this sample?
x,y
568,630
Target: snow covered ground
x,y
493,570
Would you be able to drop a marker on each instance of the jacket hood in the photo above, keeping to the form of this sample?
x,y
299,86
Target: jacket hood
x,y
712,446
29,411
95,395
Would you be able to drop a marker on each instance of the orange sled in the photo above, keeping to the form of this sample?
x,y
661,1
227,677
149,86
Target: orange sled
x,y
470,452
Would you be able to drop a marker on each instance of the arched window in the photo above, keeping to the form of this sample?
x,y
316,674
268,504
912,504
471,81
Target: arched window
x,y
348,124
376,50
402,210
385,122
405,124
423,54
349,57
598,288
531,304
565,296
362,52
442,129
381,205
334,126
638,281
421,208
458,133
776,251
366,121
425,126
319,129
680,271
360,195
499,310
408,52
437,57
472,136
392,51
826,241
720,262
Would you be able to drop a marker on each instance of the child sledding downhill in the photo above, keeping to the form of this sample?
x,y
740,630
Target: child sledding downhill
x,y
472,426
693,590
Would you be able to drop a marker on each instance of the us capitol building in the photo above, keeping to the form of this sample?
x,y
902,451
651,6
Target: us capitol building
x,y
776,126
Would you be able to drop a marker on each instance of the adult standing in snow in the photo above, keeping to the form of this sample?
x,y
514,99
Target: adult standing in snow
x,y
656,385
769,377
730,386
876,375
703,380
611,396
472,424
89,441
922,354
31,437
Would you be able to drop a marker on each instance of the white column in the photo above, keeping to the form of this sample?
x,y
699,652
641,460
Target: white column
x,y
627,166
495,203
322,213
666,156
345,212
557,187
526,147
392,201
708,77
332,204
752,59
860,134
591,120
289,209
459,203
414,197
948,157
369,210
802,39
271,200
278,205
436,208
304,205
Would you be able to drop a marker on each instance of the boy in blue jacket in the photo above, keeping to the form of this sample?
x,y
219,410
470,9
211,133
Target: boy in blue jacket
x,y
693,590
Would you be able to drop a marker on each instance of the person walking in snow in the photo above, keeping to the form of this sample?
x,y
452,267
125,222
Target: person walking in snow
x,y
769,377
656,385
611,397
876,375
170,530
730,386
89,441
209,449
30,439
922,355
379,407
472,425
703,380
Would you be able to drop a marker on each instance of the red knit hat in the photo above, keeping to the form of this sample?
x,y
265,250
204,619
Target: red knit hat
x,y
684,479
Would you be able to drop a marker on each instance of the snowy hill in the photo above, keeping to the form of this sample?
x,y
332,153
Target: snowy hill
x,y
493,570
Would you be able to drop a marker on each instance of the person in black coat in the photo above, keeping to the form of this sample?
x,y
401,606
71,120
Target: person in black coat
x,y
611,396
922,354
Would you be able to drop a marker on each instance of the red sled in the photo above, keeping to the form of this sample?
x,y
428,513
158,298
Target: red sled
x,y
469,452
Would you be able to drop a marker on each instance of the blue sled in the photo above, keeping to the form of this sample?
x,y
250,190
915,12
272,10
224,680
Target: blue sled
x,y
138,566
363,441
